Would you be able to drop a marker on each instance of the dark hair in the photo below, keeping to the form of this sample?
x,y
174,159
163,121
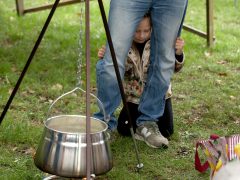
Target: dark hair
x,y
148,15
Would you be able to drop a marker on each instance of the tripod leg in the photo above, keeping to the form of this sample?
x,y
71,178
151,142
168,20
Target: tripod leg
x,y
29,60
139,165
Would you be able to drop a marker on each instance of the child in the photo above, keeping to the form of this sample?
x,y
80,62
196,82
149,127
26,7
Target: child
x,y
136,67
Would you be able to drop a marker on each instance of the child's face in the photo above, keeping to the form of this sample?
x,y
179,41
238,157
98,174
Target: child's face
x,y
143,31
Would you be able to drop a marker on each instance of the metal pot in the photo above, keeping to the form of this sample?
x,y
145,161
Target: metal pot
x,y
62,149
63,146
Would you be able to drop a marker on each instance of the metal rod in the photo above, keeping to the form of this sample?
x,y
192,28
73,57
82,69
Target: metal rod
x,y
139,165
29,60
88,124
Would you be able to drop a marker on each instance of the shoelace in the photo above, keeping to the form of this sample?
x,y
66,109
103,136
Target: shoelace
x,y
154,128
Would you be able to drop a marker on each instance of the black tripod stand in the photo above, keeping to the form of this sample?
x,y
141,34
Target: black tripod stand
x,y
139,165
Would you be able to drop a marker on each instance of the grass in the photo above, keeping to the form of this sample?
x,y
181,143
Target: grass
x,y
206,93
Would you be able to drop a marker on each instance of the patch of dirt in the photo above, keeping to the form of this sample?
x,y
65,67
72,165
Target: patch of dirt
x,y
183,151
238,69
7,42
25,150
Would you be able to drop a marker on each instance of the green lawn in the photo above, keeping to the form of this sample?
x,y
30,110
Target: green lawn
x,y
206,92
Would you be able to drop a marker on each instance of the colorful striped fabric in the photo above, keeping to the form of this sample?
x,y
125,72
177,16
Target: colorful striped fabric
x,y
217,149
232,141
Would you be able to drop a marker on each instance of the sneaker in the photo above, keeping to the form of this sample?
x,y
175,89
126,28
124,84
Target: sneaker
x,y
109,132
150,133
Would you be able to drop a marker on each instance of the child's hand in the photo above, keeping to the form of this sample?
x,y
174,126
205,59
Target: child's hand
x,y
179,46
101,52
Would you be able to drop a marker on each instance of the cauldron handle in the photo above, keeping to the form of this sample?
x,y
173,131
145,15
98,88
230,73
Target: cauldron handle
x,y
69,92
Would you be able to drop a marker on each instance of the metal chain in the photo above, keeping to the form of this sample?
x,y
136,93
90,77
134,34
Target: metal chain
x,y
80,47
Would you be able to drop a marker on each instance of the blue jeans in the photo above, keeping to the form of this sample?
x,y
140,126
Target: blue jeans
x,y
124,16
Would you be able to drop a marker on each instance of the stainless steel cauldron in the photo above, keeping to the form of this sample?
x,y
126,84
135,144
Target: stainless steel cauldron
x,y
62,149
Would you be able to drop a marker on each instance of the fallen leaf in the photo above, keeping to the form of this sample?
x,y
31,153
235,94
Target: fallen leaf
x,y
222,74
29,151
74,95
7,80
24,93
207,54
11,18
93,89
222,62
237,121
50,100
10,91
181,96
30,91
15,148
42,98
218,81
57,87
16,160
232,97
14,69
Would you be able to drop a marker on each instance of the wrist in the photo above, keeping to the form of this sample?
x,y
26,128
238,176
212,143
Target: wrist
x,y
179,52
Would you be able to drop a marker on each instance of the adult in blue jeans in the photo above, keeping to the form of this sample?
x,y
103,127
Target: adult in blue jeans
x,y
124,16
